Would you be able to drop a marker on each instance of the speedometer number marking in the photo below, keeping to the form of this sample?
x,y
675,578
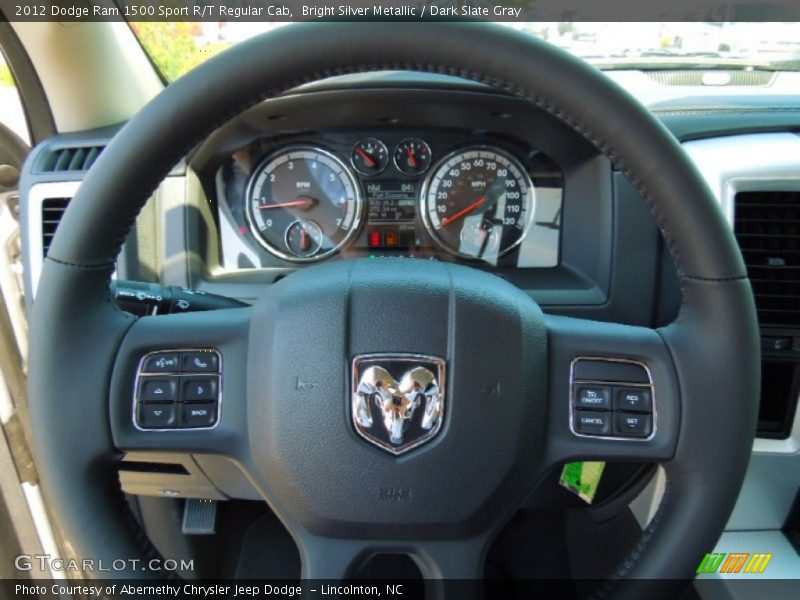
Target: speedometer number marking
x,y
478,203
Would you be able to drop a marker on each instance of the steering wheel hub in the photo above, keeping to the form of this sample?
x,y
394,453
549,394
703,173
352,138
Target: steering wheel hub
x,y
476,343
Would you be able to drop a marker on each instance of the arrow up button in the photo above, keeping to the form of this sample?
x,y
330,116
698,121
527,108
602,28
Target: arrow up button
x,y
159,389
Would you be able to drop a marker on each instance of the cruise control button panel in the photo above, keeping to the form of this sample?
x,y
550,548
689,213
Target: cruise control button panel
x,y
178,389
611,398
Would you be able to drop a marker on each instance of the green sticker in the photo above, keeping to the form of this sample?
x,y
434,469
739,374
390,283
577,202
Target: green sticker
x,y
582,478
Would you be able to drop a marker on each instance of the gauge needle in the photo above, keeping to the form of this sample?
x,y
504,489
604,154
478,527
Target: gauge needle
x,y
412,158
367,158
464,211
304,203
305,241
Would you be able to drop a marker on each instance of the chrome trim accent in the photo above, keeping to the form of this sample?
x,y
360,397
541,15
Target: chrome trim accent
x,y
140,376
751,162
434,392
650,385
423,202
788,445
38,193
357,191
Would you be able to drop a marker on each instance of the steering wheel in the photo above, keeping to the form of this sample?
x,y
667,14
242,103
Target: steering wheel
x,y
285,417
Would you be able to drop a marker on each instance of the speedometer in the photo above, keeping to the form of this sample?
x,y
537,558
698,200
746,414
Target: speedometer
x,y
478,203
303,204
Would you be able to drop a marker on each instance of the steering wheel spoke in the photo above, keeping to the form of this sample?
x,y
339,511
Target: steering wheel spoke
x,y
614,393
179,383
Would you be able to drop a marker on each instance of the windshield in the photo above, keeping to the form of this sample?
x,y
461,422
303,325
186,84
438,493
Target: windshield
x,y
176,48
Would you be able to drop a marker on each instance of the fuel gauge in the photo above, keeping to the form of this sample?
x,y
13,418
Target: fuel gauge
x,y
412,156
370,156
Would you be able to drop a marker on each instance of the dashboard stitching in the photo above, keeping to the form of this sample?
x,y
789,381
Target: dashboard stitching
x,y
717,279
727,110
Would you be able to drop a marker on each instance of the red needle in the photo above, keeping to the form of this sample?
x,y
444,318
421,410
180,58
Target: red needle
x,y
412,159
367,158
305,202
305,242
464,211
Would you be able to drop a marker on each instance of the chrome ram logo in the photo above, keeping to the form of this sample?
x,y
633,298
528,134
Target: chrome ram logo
x,y
398,399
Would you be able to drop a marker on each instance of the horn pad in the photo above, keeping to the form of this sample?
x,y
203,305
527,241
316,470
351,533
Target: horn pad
x,y
378,407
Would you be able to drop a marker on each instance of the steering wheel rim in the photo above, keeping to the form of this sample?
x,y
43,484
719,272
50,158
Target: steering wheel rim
x,y
74,319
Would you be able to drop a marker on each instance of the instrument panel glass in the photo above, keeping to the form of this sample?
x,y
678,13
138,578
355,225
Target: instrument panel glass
x,y
470,197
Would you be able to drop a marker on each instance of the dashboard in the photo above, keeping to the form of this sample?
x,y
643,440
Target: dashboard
x,y
442,194
388,167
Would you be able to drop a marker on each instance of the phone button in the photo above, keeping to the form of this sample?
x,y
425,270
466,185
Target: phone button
x,y
200,362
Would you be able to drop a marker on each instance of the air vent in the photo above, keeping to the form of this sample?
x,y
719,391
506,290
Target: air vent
x,y
702,77
52,211
767,226
66,160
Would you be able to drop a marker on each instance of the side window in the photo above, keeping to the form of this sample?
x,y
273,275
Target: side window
x,y
14,147
12,114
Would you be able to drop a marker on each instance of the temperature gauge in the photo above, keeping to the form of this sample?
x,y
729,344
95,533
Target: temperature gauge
x,y
304,238
412,156
370,157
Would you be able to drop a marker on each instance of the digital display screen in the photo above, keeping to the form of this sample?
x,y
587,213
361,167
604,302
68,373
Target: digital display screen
x,y
391,202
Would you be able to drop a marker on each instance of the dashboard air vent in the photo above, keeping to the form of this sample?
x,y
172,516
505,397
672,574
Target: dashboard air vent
x,y
702,77
52,211
767,226
73,159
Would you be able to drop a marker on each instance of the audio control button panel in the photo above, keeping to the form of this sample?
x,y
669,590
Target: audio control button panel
x,y
178,389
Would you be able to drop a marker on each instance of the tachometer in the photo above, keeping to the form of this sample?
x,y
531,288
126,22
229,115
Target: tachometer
x,y
478,203
303,204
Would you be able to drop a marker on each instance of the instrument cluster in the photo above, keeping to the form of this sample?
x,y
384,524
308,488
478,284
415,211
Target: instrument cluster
x,y
439,194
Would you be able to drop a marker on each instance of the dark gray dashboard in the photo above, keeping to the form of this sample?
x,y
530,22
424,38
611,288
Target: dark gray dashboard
x,y
573,183
610,262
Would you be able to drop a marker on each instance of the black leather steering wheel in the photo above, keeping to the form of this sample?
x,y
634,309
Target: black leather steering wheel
x,y
315,473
